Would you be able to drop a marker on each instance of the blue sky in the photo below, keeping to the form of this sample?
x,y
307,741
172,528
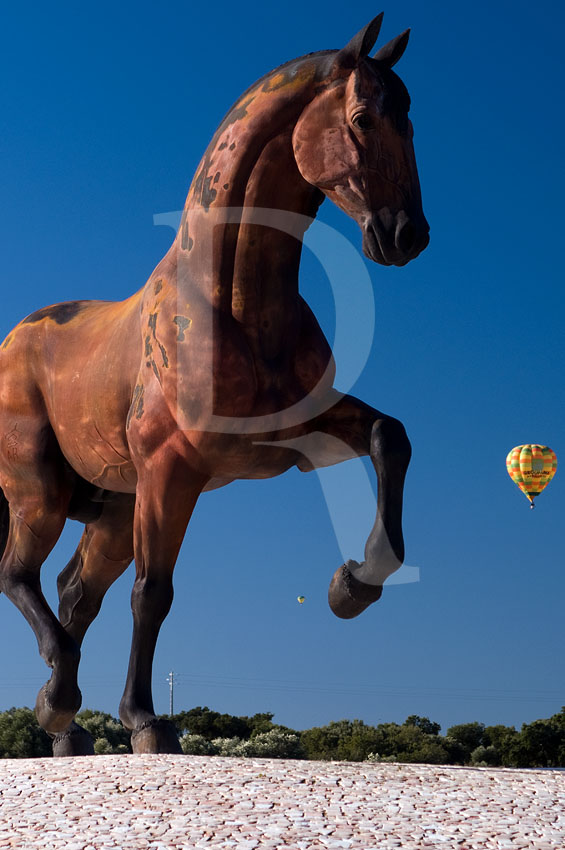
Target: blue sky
x,y
106,111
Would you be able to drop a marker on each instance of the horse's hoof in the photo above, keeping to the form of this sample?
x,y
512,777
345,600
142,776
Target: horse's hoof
x,y
74,741
155,736
348,596
55,720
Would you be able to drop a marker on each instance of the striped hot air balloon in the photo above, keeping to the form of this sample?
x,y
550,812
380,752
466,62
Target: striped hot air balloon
x,y
531,467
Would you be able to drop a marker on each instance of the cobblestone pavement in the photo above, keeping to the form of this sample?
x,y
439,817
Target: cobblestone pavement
x,y
161,802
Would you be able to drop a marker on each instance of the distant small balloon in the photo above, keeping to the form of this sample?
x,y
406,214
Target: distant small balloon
x,y
531,467
301,599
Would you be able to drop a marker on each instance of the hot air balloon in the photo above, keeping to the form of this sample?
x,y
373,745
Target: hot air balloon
x,y
531,467
301,599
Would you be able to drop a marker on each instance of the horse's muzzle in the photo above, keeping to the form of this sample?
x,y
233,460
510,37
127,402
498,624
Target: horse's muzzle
x,y
394,239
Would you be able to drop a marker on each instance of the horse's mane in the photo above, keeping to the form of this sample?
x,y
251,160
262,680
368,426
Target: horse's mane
x,y
319,58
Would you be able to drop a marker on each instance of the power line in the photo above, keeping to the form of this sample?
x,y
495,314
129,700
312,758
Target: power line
x,y
384,690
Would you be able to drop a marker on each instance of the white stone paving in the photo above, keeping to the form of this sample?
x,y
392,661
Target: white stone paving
x,y
162,802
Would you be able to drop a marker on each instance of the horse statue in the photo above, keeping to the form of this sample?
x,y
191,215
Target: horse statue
x,y
120,414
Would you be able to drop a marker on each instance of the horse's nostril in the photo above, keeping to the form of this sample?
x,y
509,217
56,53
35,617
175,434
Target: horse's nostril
x,y
405,237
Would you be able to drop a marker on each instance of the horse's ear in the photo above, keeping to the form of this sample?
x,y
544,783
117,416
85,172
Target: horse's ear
x,y
360,45
391,52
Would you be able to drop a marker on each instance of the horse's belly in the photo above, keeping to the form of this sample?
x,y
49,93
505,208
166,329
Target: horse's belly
x,y
88,415
109,474
102,460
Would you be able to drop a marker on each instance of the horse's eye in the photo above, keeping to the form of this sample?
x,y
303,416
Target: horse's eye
x,y
363,122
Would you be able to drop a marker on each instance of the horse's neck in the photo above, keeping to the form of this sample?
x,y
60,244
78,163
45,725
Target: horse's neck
x,y
264,276
241,234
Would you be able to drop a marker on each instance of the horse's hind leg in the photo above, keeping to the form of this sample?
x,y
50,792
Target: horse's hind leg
x,y
104,552
38,509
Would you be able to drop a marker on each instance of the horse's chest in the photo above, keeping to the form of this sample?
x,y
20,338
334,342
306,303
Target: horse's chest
x,y
259,385
248,377
211,380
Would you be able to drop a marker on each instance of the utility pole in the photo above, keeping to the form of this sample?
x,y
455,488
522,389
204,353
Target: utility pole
x,y
171,681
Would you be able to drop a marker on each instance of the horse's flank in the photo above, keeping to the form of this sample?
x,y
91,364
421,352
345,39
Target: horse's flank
x,y
75,356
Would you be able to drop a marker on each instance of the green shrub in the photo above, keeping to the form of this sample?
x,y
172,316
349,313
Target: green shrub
x,y
197,745
21,736
108,733
229,746
485,756
274,744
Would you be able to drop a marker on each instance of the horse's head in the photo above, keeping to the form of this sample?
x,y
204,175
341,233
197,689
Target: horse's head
x,y
354,142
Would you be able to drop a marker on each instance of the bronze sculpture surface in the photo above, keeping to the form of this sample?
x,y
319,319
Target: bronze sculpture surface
x,y
120,414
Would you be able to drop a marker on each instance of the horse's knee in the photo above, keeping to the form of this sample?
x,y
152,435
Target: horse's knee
x,y
16,579
152,597
389,442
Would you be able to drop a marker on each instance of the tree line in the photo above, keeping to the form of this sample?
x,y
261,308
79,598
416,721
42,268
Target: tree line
x,y
417,740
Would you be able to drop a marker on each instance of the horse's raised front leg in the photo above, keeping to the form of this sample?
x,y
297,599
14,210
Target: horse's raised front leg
x,y
167,492
366,431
